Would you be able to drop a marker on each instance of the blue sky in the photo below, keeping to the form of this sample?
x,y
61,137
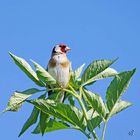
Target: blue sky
x,y
93,29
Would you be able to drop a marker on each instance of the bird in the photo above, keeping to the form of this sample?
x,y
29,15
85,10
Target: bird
x,y
59,67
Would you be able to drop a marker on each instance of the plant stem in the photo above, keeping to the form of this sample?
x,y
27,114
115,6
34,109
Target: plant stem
x,y
72,88
69,91
104,129
83,109
79,98
86,117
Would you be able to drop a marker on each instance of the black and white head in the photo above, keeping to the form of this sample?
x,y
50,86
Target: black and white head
x,y
60,49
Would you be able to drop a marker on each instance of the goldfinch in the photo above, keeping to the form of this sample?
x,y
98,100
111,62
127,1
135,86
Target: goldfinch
x,y
59,66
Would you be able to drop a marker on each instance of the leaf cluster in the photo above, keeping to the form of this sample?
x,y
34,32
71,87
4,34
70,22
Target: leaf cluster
x,y
50,114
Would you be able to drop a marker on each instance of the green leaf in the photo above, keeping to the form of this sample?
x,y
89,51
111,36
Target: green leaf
x,y
31,120
33,117
44,75
96,102
75,83
52,125
57,96
75,80
44,118
16,100
94,69
92,114
86,103
71,100
93,123
26,68
61,111
117,87
78,71
109,72
120,106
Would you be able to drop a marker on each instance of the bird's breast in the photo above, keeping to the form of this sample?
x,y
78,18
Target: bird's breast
x,y
61,73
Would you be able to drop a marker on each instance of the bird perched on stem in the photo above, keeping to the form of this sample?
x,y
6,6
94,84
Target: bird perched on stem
x,y
59,67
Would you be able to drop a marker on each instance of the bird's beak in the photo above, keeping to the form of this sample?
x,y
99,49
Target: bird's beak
x,y
67,49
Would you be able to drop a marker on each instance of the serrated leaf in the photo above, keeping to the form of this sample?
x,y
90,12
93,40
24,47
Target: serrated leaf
x,y
78,71
16,100
95,68
44,119
93,123
61,111
33,117
86,103
44,75
26,68
52,125
75,83
96,102
31,120
92,114
109,72
75,80
117,87
120,106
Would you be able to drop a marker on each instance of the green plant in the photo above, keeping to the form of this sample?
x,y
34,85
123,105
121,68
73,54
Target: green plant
x,y
54,115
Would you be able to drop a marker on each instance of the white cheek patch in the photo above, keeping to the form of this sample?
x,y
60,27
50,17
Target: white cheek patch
x,y
57,49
